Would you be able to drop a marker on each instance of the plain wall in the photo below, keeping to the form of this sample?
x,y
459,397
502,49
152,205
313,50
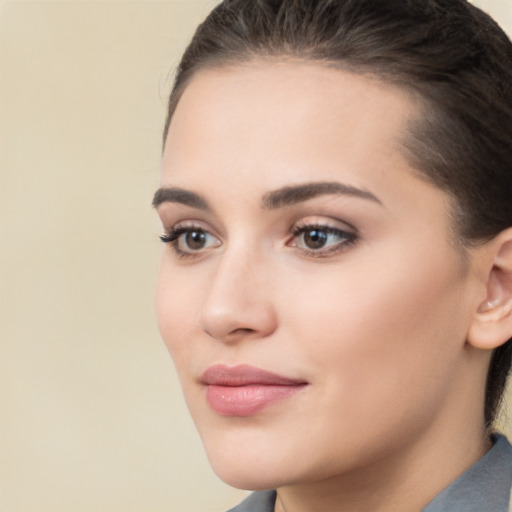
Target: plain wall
x,y
91,415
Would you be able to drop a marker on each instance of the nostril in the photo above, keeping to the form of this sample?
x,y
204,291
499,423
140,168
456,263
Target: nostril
x,y
243,330
240,334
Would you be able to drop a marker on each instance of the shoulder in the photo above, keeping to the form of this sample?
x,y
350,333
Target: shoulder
x,y
261,501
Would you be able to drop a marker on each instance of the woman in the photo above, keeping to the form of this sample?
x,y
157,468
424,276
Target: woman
x,y
337,288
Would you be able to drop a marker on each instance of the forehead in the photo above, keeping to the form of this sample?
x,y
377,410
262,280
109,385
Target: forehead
x,y
287,107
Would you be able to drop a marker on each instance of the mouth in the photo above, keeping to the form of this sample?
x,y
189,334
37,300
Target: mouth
x,y
244,390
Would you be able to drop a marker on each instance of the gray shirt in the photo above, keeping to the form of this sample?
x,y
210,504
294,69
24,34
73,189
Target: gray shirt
x,y
484,487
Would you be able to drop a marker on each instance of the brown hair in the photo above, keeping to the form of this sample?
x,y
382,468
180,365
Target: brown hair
x,y
448,52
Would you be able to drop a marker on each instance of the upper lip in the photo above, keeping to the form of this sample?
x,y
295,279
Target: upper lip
x,y
244,375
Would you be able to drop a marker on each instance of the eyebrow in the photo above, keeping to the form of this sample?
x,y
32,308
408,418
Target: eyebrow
x,y
179,195
285,196
291,195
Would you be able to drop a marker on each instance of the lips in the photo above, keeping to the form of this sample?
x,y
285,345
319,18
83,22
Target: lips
x,y
245,390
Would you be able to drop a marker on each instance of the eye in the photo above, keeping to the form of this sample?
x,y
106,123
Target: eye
x,y
189,241
319,240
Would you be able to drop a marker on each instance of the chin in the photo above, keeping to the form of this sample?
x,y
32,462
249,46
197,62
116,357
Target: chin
x,y
243,468
248,480
252,477
249,460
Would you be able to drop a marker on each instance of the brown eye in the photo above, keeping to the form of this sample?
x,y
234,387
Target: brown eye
x,y
195,240
322,241
315,239
189,241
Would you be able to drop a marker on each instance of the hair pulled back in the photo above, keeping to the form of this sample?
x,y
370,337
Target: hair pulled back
x,y
448,53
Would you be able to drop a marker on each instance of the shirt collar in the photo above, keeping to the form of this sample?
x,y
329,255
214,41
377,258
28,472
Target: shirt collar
x,y
484,486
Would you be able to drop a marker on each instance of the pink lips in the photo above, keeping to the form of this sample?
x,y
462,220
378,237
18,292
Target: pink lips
x,y
244,390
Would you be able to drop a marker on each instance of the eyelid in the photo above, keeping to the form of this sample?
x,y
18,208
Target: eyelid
x,y
170,226
326,222
176,214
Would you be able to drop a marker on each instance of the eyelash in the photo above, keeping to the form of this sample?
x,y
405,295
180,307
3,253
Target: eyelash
x,y
348,239
172,237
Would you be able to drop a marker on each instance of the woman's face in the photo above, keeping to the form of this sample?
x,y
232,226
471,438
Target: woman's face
x,y
311,294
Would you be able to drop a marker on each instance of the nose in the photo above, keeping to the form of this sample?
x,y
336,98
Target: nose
x,y
238,303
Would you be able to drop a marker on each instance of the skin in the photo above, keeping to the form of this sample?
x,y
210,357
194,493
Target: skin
x,y
378,328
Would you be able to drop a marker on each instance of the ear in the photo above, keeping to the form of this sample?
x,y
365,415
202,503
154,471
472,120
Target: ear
x,y
492,323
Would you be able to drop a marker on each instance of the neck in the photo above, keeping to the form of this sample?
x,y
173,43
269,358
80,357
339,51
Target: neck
x,y
404,482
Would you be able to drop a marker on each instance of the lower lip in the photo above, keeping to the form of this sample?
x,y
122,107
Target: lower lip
x,y
247,400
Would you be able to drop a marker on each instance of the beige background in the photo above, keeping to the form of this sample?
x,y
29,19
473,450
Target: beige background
x,y
91,416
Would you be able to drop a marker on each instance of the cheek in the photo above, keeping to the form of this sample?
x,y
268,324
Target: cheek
x,y
370,333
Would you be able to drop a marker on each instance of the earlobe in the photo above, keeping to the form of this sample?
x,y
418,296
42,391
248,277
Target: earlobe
x,y
492,323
